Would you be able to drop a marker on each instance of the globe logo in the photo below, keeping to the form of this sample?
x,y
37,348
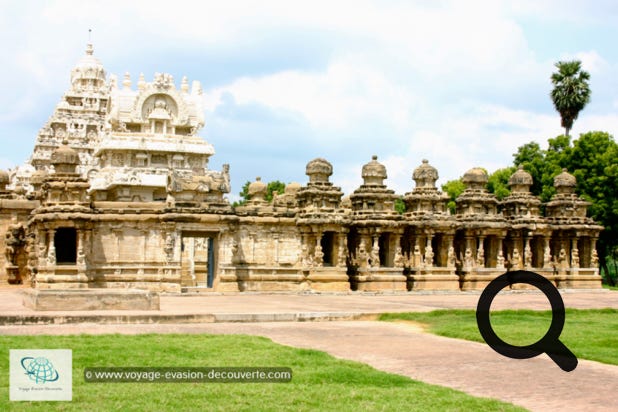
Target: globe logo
x,y
39,370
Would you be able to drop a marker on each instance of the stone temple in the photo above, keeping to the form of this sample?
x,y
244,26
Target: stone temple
x,y
118,194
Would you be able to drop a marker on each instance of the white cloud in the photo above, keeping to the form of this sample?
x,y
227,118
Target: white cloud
x,y
458,83
597,122
341,95
592,62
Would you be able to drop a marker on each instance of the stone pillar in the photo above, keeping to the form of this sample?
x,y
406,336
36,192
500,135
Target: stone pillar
x,y
468,259
318,254
398,259
304,259
51,249
594,257
417,258
500,254
451,258
527,254
429,251
562,259
480,254
81,253
362,255
168,247
547,252
342,250
574,253
516,258
375,252
41,248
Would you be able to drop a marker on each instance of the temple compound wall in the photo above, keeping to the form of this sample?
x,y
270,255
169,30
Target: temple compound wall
x,y
118,194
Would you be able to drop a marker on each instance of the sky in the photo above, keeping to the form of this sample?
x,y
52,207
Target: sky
x,y
460,83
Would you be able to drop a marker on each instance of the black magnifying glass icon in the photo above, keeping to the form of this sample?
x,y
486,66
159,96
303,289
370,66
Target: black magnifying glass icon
x,y
550,343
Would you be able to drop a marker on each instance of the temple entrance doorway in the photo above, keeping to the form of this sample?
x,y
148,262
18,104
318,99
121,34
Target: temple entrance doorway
x,y
197,265
65,240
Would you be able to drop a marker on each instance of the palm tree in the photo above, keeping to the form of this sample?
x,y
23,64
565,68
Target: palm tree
x,y
571,92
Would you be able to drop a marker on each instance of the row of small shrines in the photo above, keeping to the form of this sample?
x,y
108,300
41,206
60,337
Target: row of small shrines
x,y
307,238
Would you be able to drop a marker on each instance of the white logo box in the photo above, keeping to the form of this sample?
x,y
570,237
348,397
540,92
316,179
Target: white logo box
x,y
40,374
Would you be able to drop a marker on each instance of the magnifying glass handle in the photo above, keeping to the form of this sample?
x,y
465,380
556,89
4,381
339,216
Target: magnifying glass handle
x,y
563,357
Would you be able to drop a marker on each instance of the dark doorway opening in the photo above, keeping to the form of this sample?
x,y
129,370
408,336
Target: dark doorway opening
x,y
327,247
384,245
65,240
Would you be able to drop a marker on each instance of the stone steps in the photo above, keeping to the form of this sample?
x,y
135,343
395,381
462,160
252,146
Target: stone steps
x,y
181,318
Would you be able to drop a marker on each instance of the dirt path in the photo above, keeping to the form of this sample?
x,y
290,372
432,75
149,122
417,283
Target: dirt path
x,y
537,384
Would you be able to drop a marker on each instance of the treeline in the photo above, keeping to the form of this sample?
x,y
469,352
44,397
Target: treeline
x,y
592,159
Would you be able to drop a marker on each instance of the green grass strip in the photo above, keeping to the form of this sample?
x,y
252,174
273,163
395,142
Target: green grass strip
x,y
320,382
589,333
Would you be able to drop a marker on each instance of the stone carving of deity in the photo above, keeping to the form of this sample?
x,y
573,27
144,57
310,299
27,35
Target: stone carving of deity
x,y
170,241
81,256
234,251
468,260
562,259
117,159
429,256
375,255
31,252
362,257
547,256
516,259
417,256
594,259
51,256
451,258
11,243
398,260
480,258
305,258
341,255
318,256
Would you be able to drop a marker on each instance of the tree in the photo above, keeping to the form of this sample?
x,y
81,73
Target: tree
x,y
271,187
498,183
400,206
544,165
453,188
592,160
571,92
532,158
244,195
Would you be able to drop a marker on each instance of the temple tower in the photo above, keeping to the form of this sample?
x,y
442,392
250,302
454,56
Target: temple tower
x,y
78,118
480,234
427,247
376,233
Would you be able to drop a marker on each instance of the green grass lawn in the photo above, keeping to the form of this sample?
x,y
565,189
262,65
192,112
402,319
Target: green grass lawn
x,y
589,334
606,286
320,382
